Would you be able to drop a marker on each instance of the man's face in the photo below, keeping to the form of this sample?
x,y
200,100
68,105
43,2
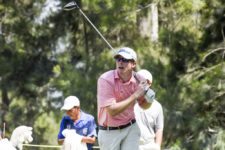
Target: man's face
x,y
73,113
142,101
124,66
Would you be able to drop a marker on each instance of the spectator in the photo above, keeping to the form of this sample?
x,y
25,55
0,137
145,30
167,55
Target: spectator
x,y
149,118
79,121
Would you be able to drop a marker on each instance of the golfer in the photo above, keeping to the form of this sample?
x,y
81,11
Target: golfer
x,y
117,91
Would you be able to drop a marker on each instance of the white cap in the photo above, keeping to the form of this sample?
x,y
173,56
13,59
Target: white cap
x,y
145,74
126,53
70,102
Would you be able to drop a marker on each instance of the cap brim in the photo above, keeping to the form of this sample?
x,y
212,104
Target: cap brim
x,y
124,55
66,107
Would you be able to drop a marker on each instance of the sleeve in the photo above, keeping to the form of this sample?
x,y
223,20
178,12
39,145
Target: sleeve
x,y
105,93
92,127
160,119
62,127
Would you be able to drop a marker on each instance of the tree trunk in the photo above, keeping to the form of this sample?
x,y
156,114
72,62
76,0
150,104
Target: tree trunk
x,y
149,25
5,104
154,21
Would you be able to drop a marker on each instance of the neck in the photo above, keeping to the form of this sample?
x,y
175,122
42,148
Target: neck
x,y
125,77
146,105
77,118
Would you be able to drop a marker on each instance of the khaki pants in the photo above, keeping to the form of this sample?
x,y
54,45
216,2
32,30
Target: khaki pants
x,y
124,139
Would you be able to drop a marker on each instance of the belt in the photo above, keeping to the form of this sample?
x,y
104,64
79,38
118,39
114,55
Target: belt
x,y
116,128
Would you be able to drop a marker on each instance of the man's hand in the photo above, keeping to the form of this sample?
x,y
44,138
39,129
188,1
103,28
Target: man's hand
x,y
141,90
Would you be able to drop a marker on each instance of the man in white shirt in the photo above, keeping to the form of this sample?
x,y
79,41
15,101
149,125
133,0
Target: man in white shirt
x,y
150,119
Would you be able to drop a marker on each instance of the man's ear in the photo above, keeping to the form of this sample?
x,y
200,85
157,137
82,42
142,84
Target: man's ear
x,y
133,64
150,83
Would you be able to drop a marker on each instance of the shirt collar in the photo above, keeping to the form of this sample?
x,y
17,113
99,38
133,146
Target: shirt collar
x,y
132,79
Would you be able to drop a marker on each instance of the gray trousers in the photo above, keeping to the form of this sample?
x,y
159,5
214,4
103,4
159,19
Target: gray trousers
x,y
121,139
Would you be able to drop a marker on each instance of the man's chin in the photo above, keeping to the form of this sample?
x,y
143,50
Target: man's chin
x,y
145,105
120,70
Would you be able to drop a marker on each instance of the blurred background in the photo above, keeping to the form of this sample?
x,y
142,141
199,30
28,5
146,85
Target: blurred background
x,y
47,54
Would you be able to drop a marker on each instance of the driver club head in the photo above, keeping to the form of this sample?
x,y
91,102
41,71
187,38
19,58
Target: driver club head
x,y
70,6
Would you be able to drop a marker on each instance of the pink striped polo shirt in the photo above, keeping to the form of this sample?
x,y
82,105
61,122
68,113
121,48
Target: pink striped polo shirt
x,y
111,90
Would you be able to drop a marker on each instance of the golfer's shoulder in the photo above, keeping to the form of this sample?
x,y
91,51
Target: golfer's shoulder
x,y
108,76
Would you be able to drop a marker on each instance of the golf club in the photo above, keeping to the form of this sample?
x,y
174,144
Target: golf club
x,y
72,5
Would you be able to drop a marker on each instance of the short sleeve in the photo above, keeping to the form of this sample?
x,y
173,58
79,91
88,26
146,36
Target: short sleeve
x,y
62,127
160,119
92,127
105,94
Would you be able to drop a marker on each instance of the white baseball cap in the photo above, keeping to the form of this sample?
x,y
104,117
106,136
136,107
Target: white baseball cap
x,y
145,74
126,53
70,102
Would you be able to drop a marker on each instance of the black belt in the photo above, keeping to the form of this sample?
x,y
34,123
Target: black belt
x,y
119,127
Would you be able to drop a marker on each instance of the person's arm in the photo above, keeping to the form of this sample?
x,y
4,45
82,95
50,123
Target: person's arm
x,y
160,124
60,141
119,107
91,135
105,92
87,139
61,128
159,137
84,139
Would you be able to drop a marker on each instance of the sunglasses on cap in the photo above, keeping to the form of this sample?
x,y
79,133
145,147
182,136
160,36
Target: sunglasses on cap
x,y
120,59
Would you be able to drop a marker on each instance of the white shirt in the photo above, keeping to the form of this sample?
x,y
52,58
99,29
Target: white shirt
x,y
149,121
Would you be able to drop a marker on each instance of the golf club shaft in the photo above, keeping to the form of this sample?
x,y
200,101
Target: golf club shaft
x,y
96,29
